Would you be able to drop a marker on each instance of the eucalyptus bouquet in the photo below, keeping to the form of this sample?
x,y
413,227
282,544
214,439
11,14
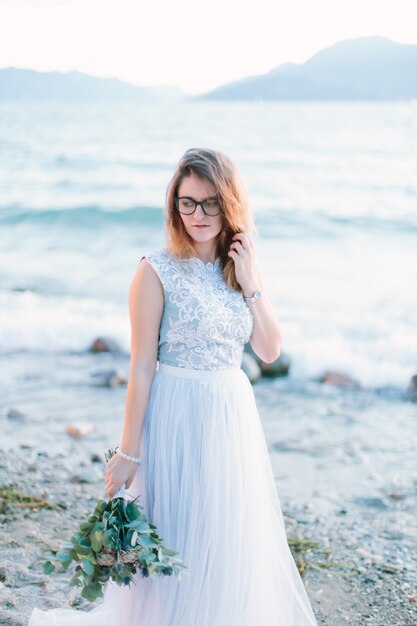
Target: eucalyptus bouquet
x,y
113,543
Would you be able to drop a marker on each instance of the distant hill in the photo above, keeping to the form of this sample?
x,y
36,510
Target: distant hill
x,y
25,84
366,68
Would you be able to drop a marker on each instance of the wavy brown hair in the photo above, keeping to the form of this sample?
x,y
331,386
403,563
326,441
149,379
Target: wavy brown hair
x,y
216,168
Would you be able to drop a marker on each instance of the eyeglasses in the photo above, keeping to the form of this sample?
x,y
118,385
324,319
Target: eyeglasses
x,y
187,206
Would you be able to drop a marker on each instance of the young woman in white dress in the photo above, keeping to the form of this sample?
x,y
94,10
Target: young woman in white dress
x,y
205,478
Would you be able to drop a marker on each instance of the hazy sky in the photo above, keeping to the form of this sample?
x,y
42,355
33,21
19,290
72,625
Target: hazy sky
x,y
192,44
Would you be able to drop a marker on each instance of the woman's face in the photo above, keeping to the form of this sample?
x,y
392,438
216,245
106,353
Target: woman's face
x,y
201,227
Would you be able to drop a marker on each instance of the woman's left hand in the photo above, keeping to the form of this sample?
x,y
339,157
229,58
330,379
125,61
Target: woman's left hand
x,y
242,251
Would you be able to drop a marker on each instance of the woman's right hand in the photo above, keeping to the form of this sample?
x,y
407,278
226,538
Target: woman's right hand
x,y
119,471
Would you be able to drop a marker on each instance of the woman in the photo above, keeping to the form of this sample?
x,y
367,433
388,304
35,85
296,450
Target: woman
x,y
205,478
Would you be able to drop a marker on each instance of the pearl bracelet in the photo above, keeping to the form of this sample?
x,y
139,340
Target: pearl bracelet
x,y
134,459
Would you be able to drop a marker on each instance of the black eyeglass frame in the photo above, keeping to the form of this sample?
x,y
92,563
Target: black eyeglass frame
x,y
196,203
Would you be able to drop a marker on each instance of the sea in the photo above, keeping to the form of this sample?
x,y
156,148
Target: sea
x,y
333,190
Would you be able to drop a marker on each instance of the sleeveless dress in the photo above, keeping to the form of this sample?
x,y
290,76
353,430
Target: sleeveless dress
x,y
206,478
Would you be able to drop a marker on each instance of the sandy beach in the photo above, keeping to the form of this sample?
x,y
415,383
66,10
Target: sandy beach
x,y
355,545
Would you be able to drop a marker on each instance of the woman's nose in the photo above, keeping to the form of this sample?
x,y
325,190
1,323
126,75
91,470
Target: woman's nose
x,y
199,213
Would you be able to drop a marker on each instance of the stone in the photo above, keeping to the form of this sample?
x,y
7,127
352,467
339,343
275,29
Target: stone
x,y
14,414
279,367
374,502
82,478
104,344
412,389
108,378
339,379
79,429
387,567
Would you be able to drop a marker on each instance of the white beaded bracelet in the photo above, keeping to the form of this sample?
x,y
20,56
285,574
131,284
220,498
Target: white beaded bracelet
x,y
134,459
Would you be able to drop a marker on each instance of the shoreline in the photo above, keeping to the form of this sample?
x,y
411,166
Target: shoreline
x,y
347,581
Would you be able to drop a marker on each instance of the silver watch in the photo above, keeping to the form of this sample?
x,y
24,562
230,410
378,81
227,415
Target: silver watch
x,y
257,294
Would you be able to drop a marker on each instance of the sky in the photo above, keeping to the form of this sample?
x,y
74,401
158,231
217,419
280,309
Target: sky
x,y
197,46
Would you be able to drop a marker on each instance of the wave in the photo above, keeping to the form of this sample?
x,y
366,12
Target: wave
x,y
40,322
81,216
279,224
286,224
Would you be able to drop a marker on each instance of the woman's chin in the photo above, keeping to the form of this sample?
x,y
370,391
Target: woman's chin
x,y
201,236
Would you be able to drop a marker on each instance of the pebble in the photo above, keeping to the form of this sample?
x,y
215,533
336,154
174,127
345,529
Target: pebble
x,y
339,379
387,567
104,344
81,478
15,414
363,553
80,429
279,367
109,378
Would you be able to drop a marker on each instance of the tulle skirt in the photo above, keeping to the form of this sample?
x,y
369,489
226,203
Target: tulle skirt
x,y
207,483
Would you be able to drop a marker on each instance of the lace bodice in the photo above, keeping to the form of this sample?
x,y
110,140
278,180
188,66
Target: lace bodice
x,y
205,323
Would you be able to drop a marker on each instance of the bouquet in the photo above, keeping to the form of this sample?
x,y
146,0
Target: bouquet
x,y
113,543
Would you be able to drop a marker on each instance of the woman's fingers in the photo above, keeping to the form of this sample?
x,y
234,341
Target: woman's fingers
x,y
245,239
110,490
236,245
130,480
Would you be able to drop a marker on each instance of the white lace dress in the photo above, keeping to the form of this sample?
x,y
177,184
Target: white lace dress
x,y
206,478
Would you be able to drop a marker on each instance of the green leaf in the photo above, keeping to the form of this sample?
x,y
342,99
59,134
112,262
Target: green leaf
x,y
102,506
146,541
85,542
87,566
92,592
109,537
64,556
150,558
169,552
139,525
96,541
75,580
75,539
48,567
132,511
82,550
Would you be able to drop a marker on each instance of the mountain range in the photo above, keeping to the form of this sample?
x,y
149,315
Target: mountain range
x,y
365,68
27,84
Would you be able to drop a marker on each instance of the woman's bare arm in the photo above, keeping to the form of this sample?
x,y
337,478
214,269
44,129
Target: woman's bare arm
x,y
266,337
146,301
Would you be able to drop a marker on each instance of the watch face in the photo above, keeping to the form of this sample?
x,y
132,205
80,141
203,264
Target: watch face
x,y
257,295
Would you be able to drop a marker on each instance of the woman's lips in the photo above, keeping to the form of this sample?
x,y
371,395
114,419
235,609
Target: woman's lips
x,y
200,225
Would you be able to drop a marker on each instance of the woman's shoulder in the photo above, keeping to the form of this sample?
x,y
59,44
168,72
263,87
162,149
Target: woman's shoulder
x,y
157,255
162,261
